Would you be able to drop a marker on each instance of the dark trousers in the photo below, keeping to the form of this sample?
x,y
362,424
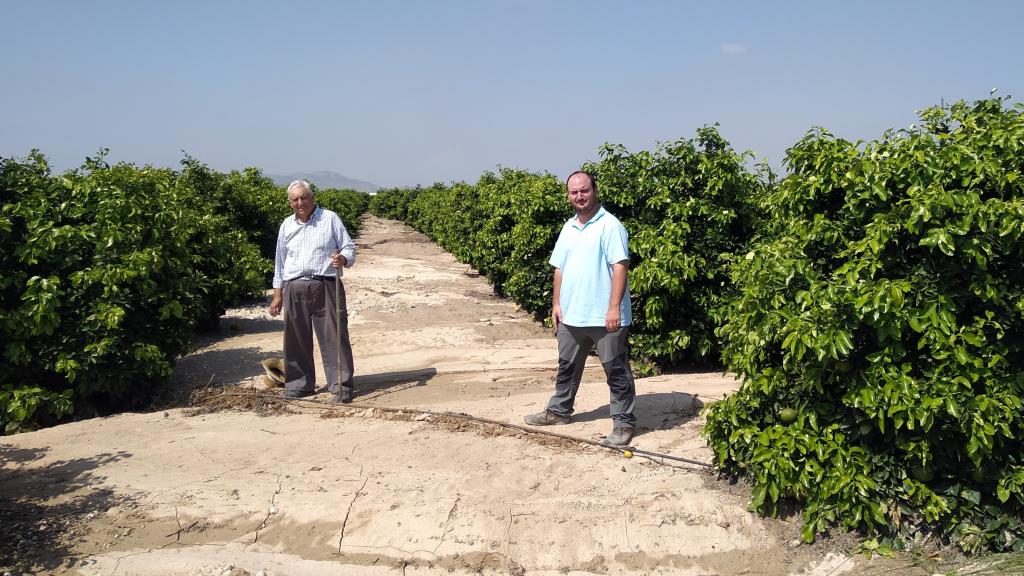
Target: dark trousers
x,y
310,306
574,344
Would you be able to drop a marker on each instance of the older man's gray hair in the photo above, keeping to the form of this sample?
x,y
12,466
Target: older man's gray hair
x,y
301,184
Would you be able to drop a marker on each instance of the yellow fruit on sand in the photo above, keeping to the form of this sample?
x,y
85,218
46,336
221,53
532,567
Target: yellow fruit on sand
x,y
627,453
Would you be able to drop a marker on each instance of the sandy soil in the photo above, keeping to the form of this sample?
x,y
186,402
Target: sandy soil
x,y
394,484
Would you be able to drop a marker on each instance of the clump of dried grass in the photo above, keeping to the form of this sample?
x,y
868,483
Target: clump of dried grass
x,y
240,399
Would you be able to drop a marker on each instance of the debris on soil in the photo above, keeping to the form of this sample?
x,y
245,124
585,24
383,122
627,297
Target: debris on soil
x,y
240,399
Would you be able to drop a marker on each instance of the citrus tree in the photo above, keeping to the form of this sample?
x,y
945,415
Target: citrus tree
x,y
104,274
879,331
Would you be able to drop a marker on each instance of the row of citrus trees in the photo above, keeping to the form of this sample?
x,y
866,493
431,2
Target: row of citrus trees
x,y
107,271
872,301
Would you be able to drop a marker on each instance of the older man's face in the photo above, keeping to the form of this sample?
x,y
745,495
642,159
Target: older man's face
x,y
302,203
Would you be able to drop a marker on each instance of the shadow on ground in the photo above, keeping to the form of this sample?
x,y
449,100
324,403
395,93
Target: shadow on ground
x,y
228,328
657,411
232,326
43,510
370,386
219,367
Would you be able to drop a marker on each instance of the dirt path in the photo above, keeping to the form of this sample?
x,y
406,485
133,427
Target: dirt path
x,y
321,490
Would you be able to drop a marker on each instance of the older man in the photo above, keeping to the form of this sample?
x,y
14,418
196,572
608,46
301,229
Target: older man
x,y
312,248
591,308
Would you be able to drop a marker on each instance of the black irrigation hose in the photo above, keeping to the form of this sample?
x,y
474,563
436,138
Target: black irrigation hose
x,y
465,416
573,438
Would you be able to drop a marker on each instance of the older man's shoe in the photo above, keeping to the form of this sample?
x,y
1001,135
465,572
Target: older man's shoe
x,y
546,418
295,394
620,436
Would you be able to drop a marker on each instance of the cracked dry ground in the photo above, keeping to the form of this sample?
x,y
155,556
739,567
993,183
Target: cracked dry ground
x,y
305,488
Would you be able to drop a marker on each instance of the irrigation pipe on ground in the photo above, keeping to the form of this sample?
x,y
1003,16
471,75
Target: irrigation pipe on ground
x,y
463,416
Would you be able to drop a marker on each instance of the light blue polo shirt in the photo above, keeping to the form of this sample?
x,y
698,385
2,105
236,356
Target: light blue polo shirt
x,y
585,256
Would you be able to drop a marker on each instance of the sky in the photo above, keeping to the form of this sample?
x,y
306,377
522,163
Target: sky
x,y
401,93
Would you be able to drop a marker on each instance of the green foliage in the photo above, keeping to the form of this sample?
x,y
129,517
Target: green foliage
x,y
251,202
104,274
393,203
885,303
525,215
19,405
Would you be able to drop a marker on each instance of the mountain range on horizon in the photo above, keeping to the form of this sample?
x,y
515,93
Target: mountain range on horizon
x,y
324,179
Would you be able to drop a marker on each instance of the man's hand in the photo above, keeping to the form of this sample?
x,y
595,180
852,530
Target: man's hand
x,y
338,260
613,319
556,317
275,303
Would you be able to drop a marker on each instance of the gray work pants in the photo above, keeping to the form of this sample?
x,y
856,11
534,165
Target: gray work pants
x,y
309,306
574,344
